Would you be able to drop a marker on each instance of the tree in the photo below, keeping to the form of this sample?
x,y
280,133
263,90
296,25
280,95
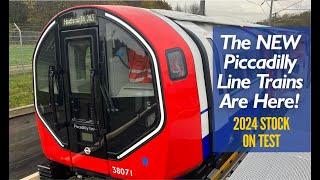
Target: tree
x,y
155,5
17,12
34,15
286,20
178,8
194,8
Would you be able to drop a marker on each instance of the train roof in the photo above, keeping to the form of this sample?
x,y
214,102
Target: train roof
x,y
220,20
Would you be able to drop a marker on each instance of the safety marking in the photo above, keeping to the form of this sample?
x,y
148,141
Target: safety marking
x,y
223,170
33,176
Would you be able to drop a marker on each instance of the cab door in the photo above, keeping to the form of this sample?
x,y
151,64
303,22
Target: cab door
x,y
80,57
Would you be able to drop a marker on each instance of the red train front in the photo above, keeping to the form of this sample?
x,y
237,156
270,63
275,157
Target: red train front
x,y
123,92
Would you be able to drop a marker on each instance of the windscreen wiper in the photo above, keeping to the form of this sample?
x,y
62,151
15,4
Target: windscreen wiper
x,y
103,84
106,97
93,100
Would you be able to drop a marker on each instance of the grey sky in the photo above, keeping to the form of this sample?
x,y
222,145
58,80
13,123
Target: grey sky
x,y
246,10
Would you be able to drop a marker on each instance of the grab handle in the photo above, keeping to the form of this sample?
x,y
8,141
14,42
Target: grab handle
x,y
52,103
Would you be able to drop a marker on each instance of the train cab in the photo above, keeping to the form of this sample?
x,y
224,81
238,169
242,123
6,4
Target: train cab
x,y
125,92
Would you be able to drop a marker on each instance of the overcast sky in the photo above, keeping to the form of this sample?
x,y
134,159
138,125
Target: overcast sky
x,y
246,10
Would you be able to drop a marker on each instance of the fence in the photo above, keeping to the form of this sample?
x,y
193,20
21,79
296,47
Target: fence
x,y
20,56
20,67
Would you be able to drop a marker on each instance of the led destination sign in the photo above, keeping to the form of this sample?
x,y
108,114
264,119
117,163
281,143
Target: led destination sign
x,y
79,20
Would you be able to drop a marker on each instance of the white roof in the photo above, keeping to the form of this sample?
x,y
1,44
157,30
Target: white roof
x,y
182,16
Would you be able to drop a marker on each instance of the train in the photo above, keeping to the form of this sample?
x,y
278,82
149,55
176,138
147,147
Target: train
x,y
127,92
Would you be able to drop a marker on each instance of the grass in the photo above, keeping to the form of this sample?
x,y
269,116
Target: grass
x,y
20,90
15,54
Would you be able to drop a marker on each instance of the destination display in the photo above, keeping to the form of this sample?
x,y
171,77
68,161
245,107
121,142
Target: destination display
x,y
79,20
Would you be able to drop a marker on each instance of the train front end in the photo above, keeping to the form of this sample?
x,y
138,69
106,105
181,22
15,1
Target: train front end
x,y
116,95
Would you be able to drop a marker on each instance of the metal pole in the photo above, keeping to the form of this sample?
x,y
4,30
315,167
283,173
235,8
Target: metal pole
x,y
270,14
21,55
202,8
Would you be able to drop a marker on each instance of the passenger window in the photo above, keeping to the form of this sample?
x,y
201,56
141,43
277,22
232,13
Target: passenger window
x,y
177,64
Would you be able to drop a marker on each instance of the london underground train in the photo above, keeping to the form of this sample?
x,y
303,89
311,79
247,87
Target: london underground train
x,y
126,92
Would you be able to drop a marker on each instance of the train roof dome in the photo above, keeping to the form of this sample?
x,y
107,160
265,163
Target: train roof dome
x,y
222,20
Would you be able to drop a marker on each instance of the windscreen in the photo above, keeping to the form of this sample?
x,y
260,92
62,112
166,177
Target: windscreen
x,y
130,84
50,107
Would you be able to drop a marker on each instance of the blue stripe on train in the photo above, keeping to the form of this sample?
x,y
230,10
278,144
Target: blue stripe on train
x,y
204,111
206,147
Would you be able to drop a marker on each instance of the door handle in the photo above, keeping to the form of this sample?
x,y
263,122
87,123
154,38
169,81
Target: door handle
x,y
92,106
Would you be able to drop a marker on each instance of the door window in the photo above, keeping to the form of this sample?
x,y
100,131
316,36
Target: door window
x,y
79,56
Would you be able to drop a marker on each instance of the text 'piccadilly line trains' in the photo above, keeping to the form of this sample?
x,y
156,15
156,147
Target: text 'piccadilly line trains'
x,y
126,92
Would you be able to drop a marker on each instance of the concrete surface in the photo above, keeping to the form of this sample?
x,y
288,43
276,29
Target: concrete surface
x,y
23,110
24,147
34,176
19,69
265,166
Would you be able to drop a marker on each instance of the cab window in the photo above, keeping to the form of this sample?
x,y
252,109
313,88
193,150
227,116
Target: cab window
x,y
46,57
129,78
